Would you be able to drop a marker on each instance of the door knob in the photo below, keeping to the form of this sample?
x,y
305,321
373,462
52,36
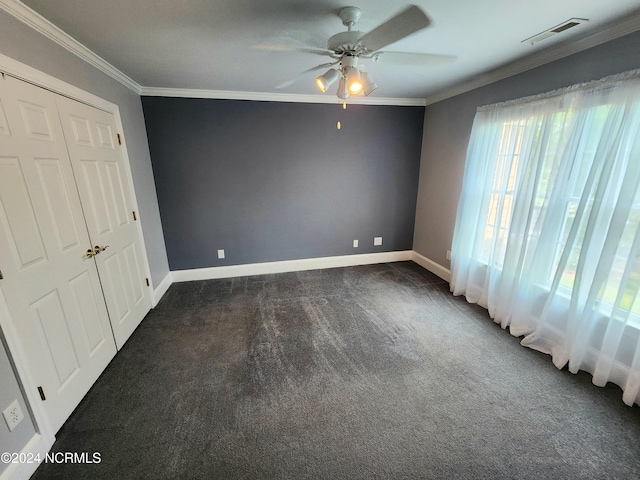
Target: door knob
x,y
97,249
90,253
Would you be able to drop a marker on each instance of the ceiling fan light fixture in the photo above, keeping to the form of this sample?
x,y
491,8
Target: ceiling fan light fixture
x,y
354,82
347,48
369,86
343,91
325,81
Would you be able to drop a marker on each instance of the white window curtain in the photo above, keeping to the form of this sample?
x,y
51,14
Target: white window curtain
x,y
547,234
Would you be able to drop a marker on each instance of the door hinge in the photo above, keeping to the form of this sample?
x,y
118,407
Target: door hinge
x,y
119,139
147,280
41,392
134,216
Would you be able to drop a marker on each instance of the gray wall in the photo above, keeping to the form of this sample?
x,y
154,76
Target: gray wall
x,y
447,126
27,46
12,442
272,181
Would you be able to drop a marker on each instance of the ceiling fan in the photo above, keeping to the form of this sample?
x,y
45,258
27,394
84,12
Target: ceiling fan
x,y
347,48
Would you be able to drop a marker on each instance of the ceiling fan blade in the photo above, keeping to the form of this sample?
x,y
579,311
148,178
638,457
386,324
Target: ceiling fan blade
x,y
273,47
302,74
292,45
408,58
409,21
316,51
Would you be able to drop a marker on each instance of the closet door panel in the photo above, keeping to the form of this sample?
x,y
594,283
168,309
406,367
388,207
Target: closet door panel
x,y
17,215
99,167
52,290
58,197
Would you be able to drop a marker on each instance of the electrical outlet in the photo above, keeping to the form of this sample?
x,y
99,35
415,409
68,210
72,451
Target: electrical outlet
x,y
355,244
220,253
448,254
13,415
377,241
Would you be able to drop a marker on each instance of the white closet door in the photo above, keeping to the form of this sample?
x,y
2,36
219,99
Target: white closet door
x,y
100,173
53,293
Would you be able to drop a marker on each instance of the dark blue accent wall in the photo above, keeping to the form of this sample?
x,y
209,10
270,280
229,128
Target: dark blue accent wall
x,y
268,181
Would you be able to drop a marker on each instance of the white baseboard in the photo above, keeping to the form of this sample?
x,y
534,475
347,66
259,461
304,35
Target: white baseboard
x,y
161,289
433,267
37,447
288,266
264,268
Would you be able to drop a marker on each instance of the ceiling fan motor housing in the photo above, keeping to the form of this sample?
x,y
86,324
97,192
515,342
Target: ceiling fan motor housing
x,y
349,61
346,42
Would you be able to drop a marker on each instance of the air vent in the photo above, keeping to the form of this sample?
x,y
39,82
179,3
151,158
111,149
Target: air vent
x,y
564,26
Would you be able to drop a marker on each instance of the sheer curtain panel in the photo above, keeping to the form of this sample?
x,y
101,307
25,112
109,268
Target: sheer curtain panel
x,y
547,234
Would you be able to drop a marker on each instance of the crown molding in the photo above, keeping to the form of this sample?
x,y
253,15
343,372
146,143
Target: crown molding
x,y
29,74
40,24
276,97
34,20
624,26
23,13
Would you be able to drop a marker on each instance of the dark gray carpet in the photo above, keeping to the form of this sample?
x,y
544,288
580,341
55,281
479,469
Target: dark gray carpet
x,y
361,372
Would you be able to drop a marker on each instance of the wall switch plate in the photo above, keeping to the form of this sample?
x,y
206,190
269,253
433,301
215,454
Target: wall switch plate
x,y
377,241
355,244
220,253
448,254
13,415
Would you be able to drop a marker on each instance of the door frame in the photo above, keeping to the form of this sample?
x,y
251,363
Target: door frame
x,y
45,436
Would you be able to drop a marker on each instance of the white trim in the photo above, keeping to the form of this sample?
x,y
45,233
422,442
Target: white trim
x,y
277,97
40,24
29,74
288,266
37,447
618,29
161,289
433,267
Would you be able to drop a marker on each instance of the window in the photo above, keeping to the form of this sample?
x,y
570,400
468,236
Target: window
x,y
547,234
502,190
550,143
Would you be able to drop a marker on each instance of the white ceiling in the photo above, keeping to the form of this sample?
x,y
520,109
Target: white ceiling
x,y
231,45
